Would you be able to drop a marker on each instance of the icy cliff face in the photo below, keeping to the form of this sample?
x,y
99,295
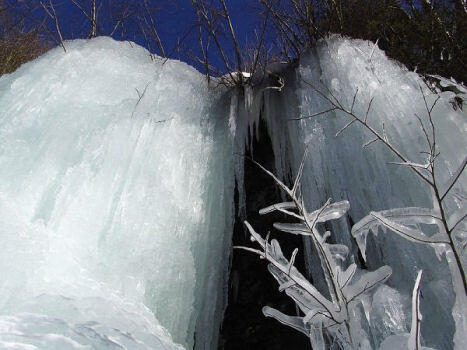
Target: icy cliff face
x,y
117,189
115,201
338,167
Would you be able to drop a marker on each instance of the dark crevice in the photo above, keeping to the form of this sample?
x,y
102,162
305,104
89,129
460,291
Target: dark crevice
x,y
250,285
360,261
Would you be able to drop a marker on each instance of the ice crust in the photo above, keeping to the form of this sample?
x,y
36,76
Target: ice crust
x,y
115,210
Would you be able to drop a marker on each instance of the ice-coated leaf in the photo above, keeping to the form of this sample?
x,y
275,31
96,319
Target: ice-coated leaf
x,y
276,251
329,212
277,206
414,339
405,216
334,211
300,172
366,304
304,292
366,283
338,251
412,164
402,216
344,277
296,229
319,312
316,338
361,242
286,285
412,234
304,301
254,234
292,260
291,321
440,249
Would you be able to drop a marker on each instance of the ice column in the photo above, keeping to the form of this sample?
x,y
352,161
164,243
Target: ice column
x,y
116,189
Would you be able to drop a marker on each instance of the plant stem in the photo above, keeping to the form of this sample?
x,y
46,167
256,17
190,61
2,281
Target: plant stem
x,y
449,233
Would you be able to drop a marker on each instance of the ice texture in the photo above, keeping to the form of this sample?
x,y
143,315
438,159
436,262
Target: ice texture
x,y
390,313
117,188
116,201
339,167
338,315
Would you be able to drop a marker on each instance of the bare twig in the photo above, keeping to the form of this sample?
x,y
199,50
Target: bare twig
x,y
153,29
238,55
140,97
53,15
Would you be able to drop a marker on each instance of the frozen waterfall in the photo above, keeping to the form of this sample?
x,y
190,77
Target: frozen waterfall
x,y
117,178
339,167
115,201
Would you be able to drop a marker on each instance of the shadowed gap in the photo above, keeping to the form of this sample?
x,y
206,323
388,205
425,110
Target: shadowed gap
x,y
250,285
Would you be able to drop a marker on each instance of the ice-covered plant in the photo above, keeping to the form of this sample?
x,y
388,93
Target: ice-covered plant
x,y
412,340
449,238
349,289
336,314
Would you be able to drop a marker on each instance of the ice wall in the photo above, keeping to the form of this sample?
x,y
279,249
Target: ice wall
x,y
116,189
339,168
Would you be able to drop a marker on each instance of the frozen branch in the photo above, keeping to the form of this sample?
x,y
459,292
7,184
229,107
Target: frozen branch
x,y
320,312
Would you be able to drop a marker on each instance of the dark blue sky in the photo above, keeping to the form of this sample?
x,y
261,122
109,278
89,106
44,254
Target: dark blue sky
x,y
175,21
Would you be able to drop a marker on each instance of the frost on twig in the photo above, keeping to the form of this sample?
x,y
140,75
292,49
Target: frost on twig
x,y
412,340
348,289
403,221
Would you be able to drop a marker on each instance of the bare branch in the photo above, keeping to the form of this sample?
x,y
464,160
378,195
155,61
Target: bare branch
x,y
345,127
370,142
140,97
315,115
353,100
336,105
52,14
368,109
154,29
454,178
454,225
238,55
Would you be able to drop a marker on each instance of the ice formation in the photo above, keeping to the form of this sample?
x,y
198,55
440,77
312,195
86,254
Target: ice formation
x,y
115,201
337,312
117,189
338,167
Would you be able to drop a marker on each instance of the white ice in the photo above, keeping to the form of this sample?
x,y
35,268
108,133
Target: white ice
x,y
117,187
115,201
338,167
